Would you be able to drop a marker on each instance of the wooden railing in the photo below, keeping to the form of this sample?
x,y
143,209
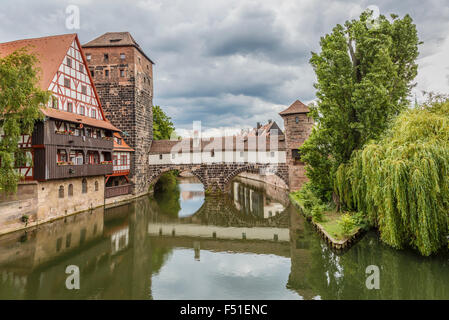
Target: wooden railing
x,y
117,190
68,171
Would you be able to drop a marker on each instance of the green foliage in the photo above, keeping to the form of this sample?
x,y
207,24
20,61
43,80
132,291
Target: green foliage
x,y
318,213
364,76
401,183
307,199
166,193
20,99
162,125
347,224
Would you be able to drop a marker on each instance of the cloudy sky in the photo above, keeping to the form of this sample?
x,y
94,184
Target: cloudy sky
x,y
230,63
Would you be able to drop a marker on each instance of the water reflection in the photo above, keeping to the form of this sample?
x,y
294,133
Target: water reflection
x,y
142,251
254,197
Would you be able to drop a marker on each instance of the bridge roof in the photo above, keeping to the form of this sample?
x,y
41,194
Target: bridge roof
x,y
232,143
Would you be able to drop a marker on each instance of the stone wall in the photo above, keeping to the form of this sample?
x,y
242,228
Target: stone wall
x,y
13,207
51,206
126,96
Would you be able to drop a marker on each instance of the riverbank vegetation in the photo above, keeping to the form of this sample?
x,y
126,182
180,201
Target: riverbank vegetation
x,y
372,161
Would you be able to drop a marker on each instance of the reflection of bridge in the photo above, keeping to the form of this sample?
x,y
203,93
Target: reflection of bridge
x,y
230,233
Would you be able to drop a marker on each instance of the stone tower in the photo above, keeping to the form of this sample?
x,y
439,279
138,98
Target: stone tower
x,y
123,77
298,127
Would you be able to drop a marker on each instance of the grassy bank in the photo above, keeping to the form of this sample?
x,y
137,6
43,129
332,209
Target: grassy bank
x,y
338,227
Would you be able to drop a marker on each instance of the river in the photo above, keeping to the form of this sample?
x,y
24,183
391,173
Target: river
x,y
179,244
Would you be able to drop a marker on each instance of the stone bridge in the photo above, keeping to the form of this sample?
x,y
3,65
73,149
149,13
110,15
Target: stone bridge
x,y
216,176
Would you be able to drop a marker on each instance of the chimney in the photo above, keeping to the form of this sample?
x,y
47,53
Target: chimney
x,y
258,125
269,120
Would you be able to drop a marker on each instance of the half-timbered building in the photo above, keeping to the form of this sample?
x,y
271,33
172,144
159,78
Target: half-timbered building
x,y
72,148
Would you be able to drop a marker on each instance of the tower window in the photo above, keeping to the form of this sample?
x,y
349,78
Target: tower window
x,y
297,119
106,57
160,157
106,73
122,73
92,72
88,56
122,56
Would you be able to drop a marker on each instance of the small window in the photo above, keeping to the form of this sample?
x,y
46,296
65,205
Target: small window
x,y
84,186
96,185
122,73
272,154
61,191
92,73
84,89
58,244
88,56
122,56
68,240
172,155
106,73
212,153
297,119
106,57
67,82
138,58
160,157
70,194
82,110
69,107
69,62
81,68
94,113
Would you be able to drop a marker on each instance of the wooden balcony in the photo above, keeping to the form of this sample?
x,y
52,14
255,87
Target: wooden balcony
x,y
117,191
80,141
72,171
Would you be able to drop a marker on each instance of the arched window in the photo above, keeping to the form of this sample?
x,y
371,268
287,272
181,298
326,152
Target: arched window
x,y
61,191
84,186
96,185
70,190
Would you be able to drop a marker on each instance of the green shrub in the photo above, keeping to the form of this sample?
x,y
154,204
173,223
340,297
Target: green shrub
x,y
318,213
347,224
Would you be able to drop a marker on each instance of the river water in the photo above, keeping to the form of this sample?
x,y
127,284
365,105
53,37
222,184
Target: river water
x,y
179,244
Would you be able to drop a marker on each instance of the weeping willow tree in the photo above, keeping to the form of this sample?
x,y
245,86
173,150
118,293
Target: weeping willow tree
x,y
401,182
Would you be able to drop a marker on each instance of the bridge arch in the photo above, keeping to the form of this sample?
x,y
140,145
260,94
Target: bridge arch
x,y
256,170
154,178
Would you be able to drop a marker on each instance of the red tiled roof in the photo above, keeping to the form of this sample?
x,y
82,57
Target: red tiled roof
x,y
50,51
123,146
76,118
295,107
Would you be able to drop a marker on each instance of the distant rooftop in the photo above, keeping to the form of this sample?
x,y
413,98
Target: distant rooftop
x,y
115,39
295,107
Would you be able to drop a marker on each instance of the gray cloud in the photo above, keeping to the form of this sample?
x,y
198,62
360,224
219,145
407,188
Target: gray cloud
x,y
230,63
